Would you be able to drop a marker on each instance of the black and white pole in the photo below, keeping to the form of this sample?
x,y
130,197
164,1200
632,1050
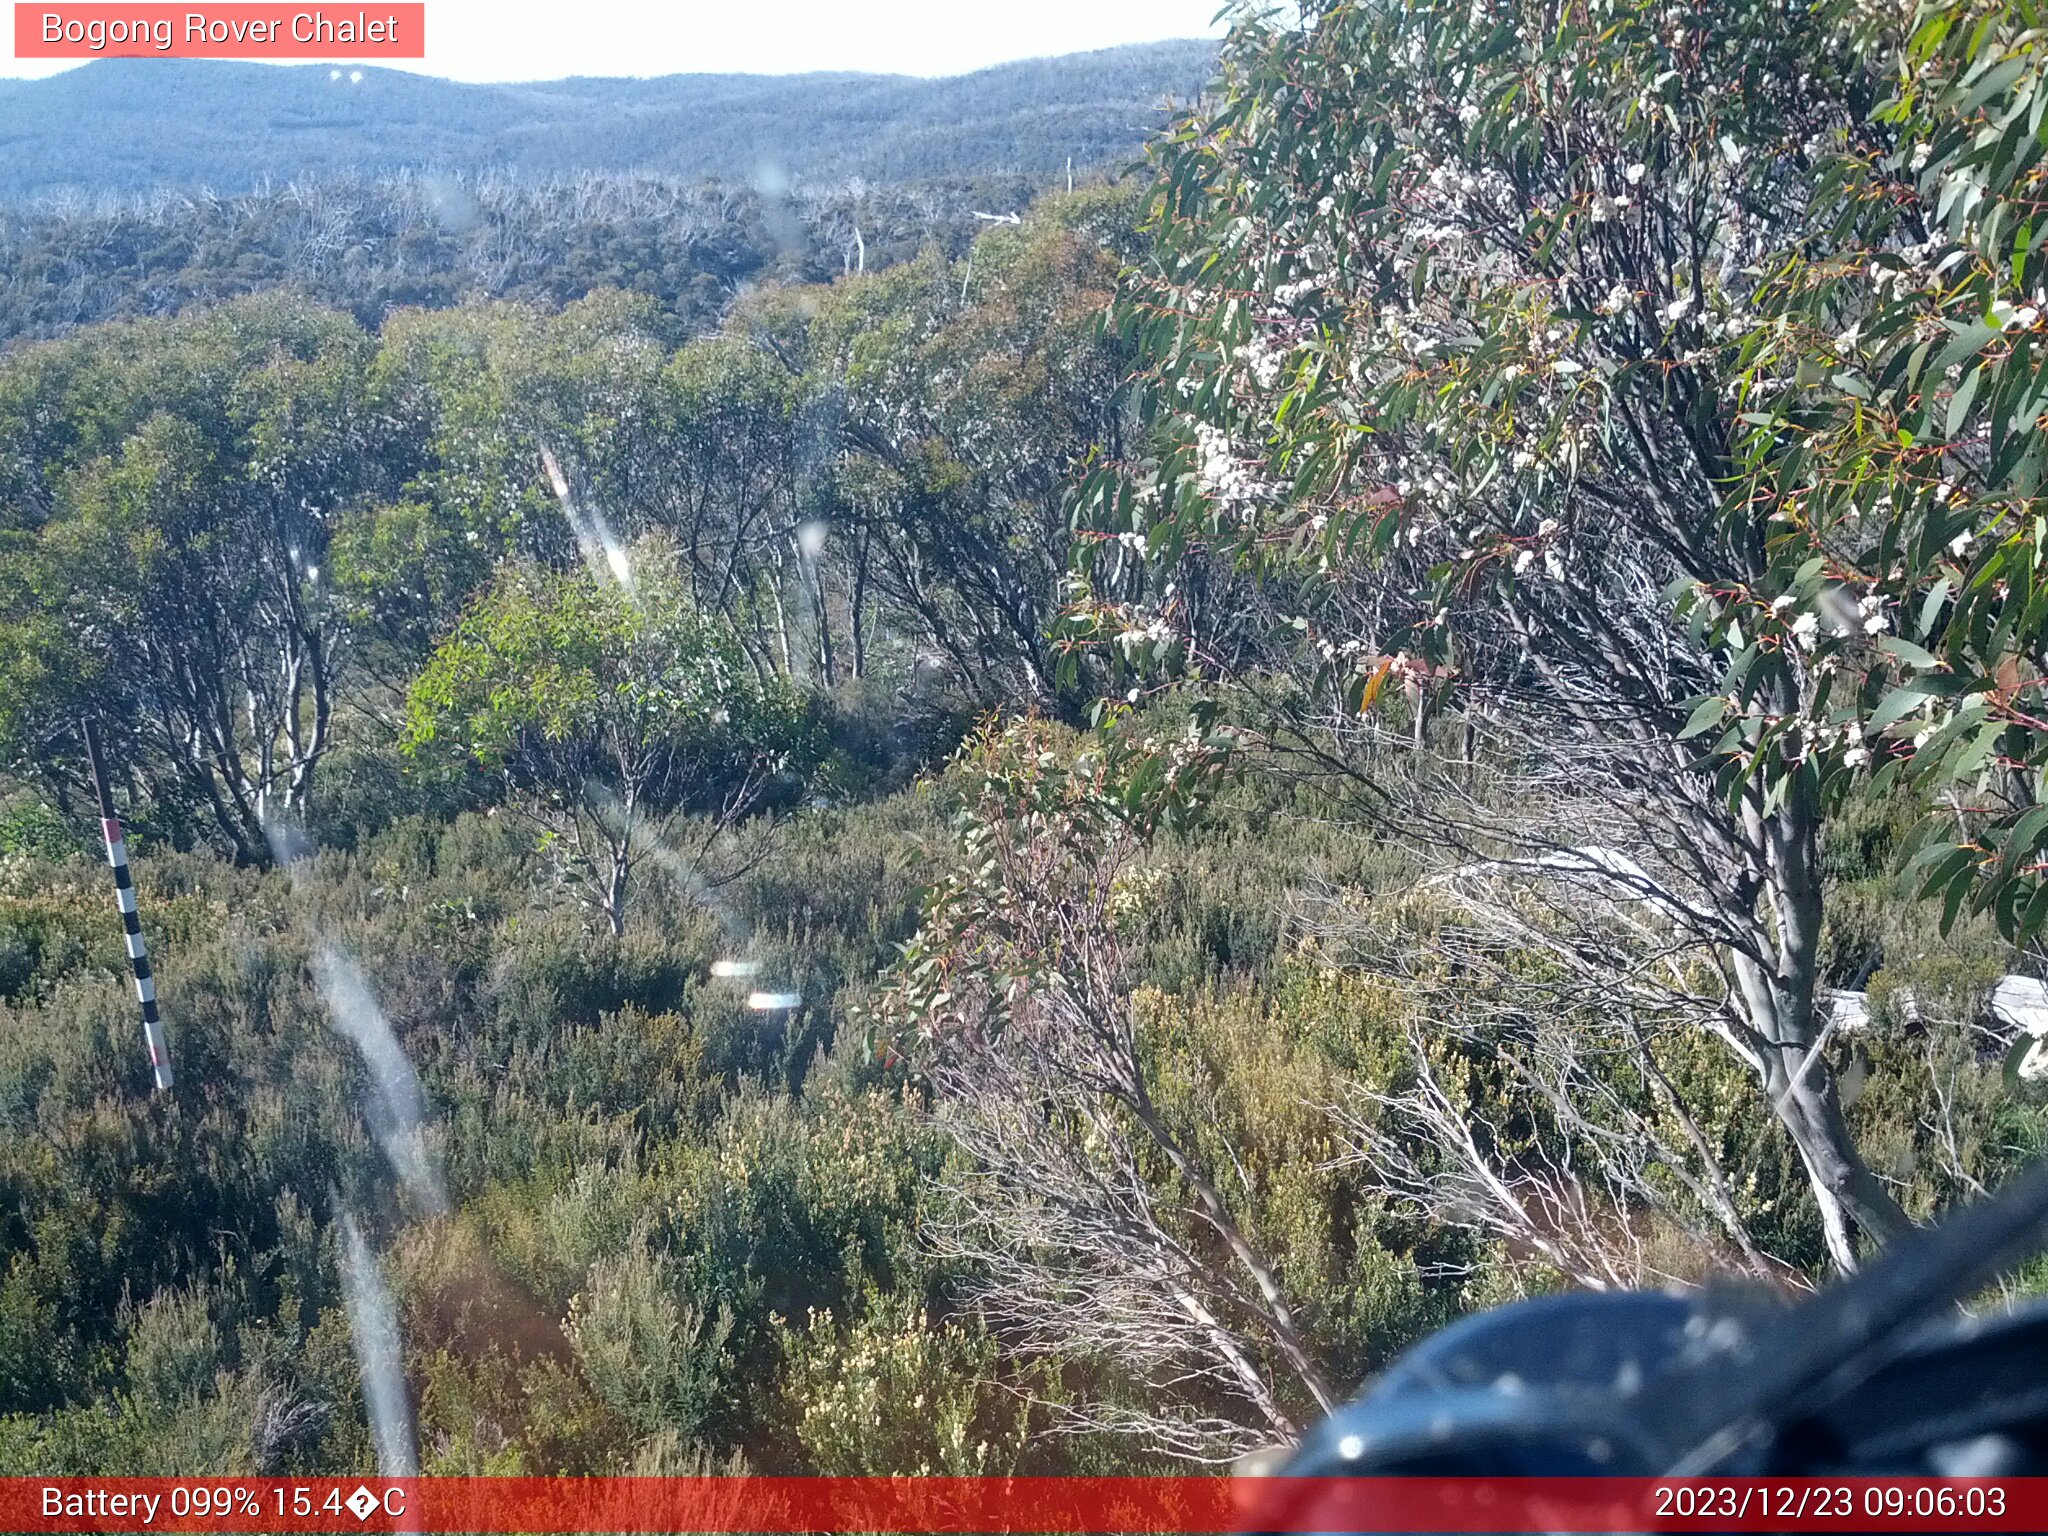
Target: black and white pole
x,y
131,922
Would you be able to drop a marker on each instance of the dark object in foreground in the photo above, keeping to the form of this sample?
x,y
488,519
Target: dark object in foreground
x,y
1879,1375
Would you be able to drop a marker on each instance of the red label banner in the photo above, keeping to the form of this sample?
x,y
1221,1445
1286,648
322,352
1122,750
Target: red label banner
x,y
231,31
950,1506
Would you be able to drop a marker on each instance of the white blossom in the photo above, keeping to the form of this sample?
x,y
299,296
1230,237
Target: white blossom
x,y
2009,317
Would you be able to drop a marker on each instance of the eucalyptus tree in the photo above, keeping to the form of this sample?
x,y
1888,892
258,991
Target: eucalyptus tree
x,y
1891,457
172,489
610,714
1442,346
948,405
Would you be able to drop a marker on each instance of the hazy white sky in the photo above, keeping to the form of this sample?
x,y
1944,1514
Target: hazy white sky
x,y
547,39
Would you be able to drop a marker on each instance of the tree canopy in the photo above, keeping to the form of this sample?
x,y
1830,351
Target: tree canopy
x,y
610,707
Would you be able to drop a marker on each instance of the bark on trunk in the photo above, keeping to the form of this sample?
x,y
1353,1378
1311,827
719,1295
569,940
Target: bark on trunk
x,y
1777,1005
615,894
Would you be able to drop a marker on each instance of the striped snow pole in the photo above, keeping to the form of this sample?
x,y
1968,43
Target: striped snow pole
x,y
131,922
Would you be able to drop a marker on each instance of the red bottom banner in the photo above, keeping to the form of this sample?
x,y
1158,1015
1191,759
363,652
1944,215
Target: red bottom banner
x,y
998,1506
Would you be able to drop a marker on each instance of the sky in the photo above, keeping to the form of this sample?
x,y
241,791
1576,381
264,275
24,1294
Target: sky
x,y
491,40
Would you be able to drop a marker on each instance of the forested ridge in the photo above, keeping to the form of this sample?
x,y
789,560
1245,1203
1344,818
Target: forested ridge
x,y
948,845
372,246
137,126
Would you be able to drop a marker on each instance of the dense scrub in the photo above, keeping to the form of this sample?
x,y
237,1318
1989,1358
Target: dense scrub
x,y
680,1229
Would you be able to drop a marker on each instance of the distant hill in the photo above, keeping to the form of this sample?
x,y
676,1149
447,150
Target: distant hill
x,y
135,125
